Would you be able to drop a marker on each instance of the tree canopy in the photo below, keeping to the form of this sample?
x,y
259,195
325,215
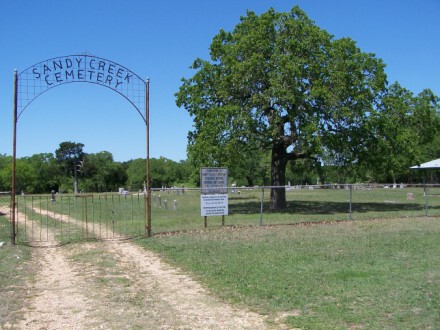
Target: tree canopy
x,y
279,83
403,128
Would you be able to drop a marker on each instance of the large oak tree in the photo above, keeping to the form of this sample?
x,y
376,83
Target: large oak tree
x,y
278,82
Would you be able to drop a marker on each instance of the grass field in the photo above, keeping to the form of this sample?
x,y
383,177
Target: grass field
x,y
362,274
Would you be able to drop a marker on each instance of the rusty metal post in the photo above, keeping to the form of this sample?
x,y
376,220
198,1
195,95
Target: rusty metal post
x,y
14,157
147,168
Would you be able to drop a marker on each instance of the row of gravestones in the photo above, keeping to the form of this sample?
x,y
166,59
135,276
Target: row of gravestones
x,y
163,203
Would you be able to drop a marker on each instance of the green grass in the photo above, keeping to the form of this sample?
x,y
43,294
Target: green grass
x,y
15,274
369,274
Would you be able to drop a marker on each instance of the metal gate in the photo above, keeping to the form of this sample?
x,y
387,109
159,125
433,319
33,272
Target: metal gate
x,y
59,219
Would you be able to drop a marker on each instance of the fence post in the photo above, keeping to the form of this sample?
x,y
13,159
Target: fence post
x,y
351,202
427,199
261,207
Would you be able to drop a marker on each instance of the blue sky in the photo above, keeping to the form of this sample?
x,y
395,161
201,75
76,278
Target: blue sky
x,y
159,40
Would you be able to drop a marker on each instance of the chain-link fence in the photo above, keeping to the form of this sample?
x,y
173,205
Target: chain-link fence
x,y
176,209
65,218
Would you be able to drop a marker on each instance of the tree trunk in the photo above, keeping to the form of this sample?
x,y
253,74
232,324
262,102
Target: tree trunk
x,y
278,178
75,180
250,181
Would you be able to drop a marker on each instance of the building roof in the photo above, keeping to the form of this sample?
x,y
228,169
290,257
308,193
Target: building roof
x,y
432,165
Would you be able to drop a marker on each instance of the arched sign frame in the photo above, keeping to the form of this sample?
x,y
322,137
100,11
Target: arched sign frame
x,y
83,68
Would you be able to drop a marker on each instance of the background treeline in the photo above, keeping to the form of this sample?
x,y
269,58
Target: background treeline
x,y
98,172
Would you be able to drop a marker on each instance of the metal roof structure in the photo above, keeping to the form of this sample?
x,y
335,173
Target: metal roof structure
x,y
431,165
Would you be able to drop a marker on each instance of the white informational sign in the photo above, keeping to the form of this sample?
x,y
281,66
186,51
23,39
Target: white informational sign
x,y
214,194
214,204
214,180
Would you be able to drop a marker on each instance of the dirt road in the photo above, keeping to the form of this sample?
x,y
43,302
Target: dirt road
x,y
119,285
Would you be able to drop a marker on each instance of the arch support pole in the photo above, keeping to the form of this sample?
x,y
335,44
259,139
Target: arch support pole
x,y
14,158
147,167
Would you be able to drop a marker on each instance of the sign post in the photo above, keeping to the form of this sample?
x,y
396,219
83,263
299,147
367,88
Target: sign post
x,y
214,194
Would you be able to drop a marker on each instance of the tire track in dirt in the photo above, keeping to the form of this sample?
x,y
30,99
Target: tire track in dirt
x,y
56,299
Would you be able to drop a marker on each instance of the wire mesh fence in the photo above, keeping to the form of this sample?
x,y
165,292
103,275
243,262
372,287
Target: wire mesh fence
x,y
174,209
66,218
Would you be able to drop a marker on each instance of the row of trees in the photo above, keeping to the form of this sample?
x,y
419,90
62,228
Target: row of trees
x,y
98,172
279,90
70,169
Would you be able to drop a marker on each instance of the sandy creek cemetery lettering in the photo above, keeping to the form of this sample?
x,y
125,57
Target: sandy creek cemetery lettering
x,y
82,68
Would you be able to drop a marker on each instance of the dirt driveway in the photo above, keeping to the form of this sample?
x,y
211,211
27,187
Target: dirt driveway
x,y
119,285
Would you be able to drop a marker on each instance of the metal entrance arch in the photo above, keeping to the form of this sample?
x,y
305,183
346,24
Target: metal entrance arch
x,y
84,68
